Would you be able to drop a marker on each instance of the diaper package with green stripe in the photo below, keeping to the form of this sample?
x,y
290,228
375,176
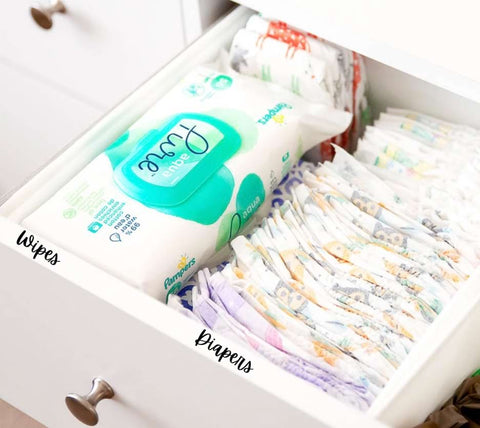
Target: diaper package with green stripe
x,y
185,178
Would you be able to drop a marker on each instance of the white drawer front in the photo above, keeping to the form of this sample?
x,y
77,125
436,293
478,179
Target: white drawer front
x,y
36,122
57,337
98,51
435,41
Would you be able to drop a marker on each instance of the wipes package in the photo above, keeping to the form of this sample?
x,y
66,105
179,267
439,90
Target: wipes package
x,y
185,178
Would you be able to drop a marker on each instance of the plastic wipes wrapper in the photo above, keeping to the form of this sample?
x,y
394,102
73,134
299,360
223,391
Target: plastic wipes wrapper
x,y
185,178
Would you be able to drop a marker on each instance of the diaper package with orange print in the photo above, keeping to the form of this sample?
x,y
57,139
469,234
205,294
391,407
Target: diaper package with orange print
x,y
307,66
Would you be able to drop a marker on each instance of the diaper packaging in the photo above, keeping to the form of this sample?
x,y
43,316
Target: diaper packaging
x,y
307,66
185,178
274,61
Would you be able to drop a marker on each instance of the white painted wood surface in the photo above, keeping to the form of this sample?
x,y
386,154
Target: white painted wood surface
x,y
54,84
36,122
56,337
80,322
435,40
146,351
63,325
99,51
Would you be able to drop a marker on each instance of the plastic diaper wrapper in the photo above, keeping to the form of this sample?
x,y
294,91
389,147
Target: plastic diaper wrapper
x,y
308,66
185,178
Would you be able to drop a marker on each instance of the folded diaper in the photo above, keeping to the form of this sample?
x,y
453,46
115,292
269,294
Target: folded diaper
x,y
434,168
218,306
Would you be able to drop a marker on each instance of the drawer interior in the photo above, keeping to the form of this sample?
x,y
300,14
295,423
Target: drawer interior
x,y
416,387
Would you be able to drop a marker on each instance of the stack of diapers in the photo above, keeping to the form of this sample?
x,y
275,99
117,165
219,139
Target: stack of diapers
x,y
185,178
308,66
356,259
434,169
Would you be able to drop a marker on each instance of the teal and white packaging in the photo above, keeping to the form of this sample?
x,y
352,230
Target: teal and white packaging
x,y
185,178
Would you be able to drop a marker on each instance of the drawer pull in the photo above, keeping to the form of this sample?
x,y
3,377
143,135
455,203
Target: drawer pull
x,y
42,14
84,407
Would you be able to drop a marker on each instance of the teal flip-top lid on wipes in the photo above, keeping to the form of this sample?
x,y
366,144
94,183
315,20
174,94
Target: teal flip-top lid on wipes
x,y
170,163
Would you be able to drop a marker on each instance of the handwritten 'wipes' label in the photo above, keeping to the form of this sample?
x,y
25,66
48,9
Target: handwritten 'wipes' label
x,y
37,249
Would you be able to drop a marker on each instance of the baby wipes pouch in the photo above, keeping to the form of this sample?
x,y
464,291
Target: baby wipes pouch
x,y
185,178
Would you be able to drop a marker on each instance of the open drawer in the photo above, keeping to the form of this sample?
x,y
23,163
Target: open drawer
x,y
61,325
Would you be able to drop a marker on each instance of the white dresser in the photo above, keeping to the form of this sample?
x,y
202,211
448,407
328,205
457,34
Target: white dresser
x,y
63,325
55,83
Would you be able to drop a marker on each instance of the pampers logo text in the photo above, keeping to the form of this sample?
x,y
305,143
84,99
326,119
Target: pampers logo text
x,y
272,112
183,266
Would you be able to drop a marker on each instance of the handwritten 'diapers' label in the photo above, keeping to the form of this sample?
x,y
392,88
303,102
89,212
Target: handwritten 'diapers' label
x,y
37,249
221,352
